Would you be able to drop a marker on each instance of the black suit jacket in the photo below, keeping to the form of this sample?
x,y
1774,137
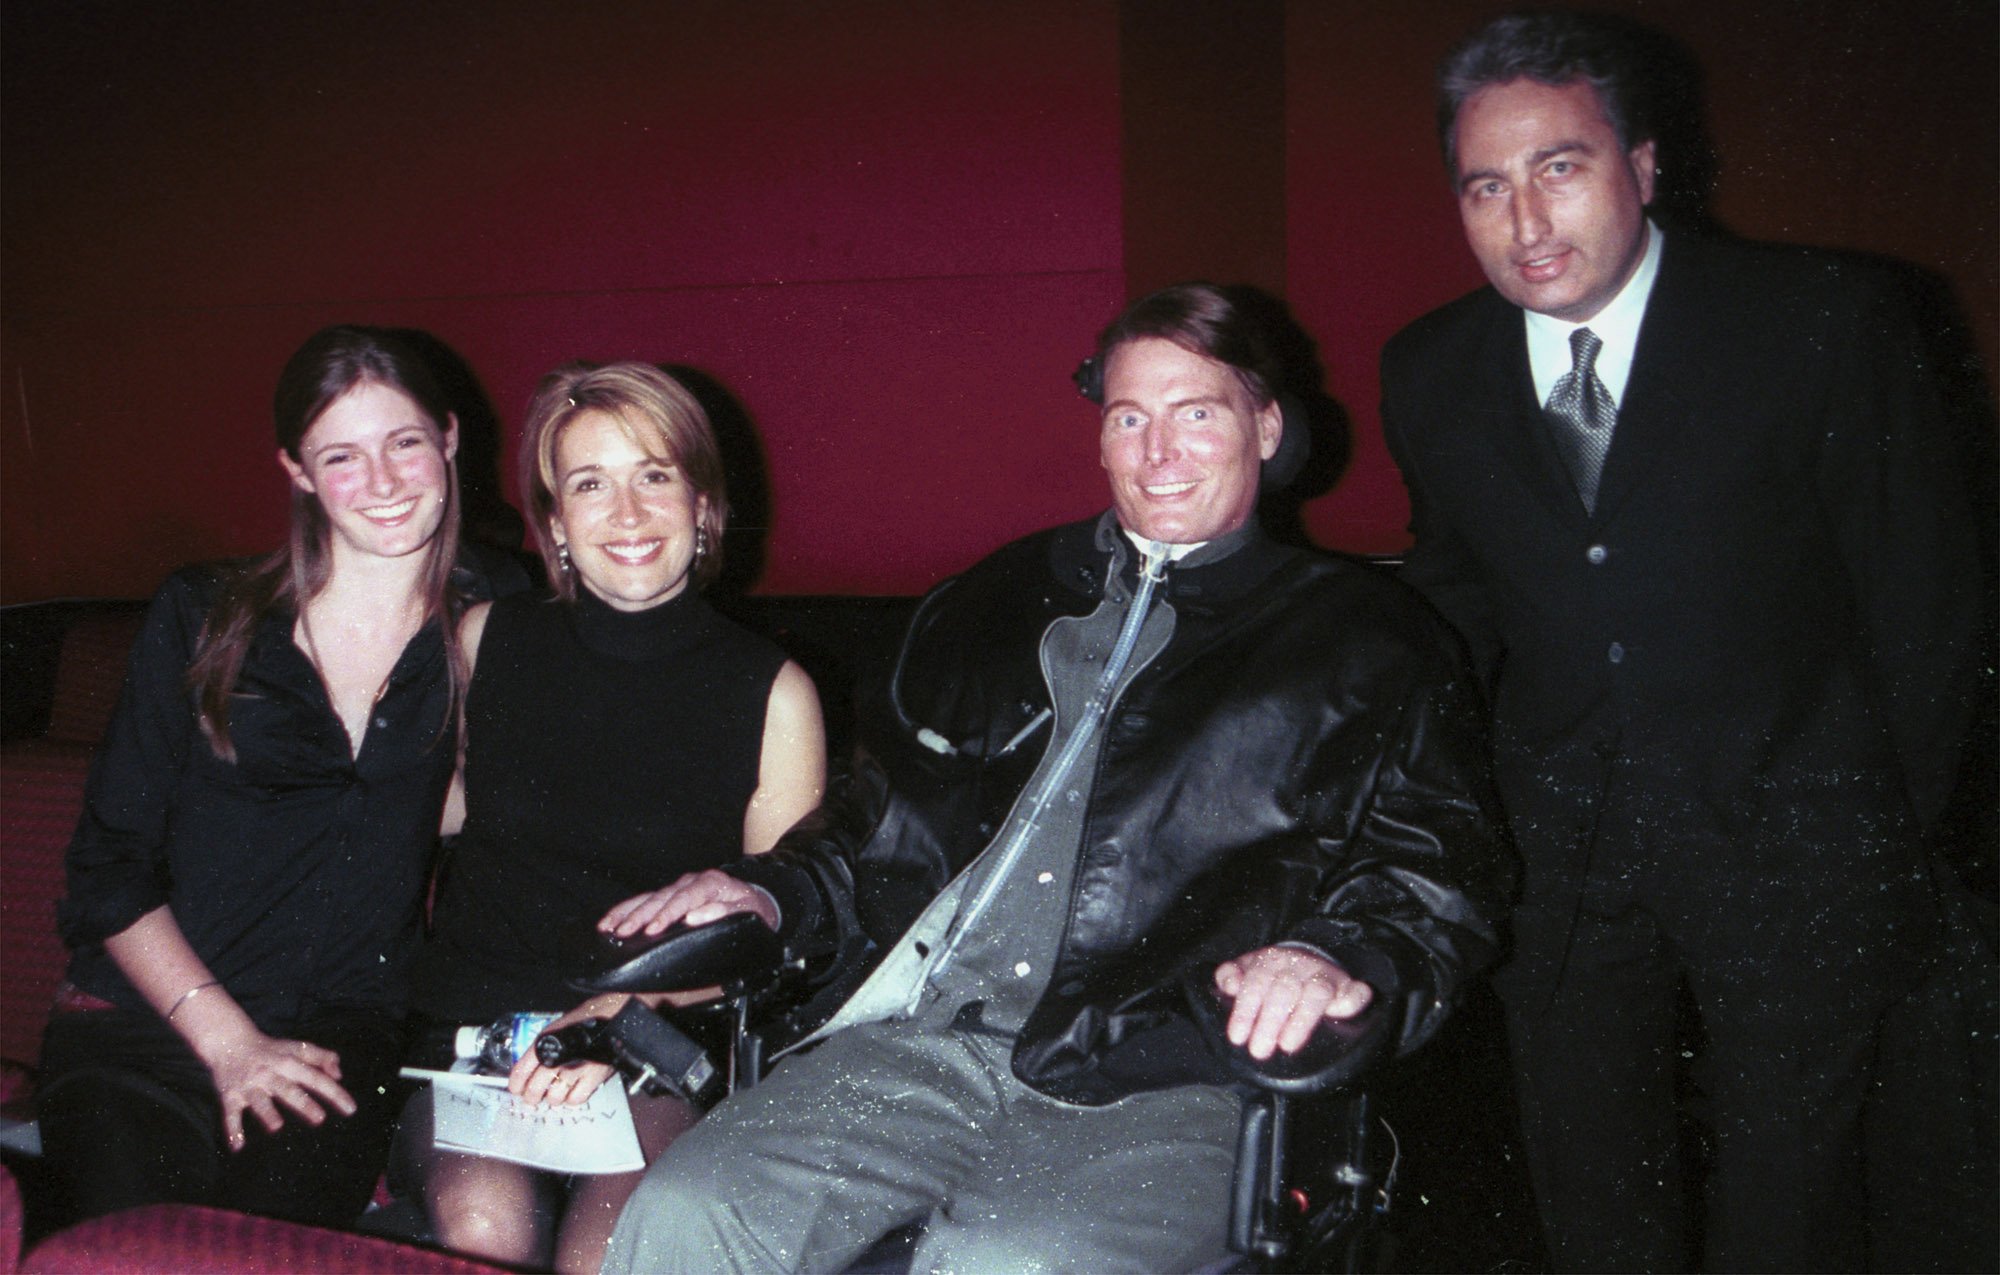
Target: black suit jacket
x,y
1765,628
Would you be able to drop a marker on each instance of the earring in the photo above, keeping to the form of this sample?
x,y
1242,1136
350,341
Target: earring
x,y
562,559
700,543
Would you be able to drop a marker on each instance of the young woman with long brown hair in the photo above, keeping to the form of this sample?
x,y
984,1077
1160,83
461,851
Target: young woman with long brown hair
x,y
245,886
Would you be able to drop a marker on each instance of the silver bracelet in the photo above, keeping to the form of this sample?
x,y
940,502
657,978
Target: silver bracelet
x,y
188,995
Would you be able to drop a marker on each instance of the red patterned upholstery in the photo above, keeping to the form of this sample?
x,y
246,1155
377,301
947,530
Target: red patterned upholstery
x,y
41,791
10,1223
17,1084
175,1238
89,674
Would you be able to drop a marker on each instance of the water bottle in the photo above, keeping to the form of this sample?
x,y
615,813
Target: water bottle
x,y
501,1043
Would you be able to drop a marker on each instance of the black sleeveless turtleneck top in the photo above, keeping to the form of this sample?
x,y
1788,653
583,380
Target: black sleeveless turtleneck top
x,y
607,753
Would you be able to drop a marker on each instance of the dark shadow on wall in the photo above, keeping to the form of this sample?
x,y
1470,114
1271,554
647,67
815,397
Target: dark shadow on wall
x,y
745,542
1316,445
1675,104
490,523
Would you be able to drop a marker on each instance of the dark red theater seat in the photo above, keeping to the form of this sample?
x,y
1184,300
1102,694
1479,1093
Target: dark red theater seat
x,y
10,1223
41,794
41,791
174,1238
91,673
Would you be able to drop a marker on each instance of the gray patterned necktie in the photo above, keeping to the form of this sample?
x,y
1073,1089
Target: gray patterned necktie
x,y
1583,414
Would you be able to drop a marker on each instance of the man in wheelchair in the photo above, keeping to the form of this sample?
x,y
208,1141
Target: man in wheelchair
x,y
1125,770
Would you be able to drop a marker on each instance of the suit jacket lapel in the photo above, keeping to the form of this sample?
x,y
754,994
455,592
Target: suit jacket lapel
x,y
1658,402
1522,435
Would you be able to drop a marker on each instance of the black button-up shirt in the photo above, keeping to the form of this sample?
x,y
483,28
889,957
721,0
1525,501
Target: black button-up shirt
x,y
297,872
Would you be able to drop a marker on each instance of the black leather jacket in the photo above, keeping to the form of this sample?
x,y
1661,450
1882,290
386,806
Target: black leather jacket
x,y
1303,762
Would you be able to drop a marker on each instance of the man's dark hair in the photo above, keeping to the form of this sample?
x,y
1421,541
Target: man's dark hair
x,y
1203,319
1553,48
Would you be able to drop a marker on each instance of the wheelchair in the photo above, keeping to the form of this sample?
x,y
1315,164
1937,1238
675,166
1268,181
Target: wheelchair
x,y
1310,1189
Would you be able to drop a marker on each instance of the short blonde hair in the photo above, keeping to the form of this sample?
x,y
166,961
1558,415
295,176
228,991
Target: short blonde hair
x,y
660,417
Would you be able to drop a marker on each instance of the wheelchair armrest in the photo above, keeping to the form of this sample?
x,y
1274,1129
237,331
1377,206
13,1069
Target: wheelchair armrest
x,y
734,951
1338,1052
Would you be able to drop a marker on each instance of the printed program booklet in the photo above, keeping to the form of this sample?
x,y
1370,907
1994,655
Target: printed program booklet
x,y
474,1113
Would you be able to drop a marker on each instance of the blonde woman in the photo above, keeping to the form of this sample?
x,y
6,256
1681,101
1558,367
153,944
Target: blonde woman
x,y
618,734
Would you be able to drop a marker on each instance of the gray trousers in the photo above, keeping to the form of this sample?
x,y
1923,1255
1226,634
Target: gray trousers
x,y
887,1123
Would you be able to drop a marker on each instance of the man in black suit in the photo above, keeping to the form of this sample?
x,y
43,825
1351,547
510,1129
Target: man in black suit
x,y
1690,503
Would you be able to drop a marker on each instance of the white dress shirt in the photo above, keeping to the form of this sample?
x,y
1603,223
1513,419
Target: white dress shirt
x,y
1617,325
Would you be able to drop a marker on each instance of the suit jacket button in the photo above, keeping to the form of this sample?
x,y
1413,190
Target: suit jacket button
x,y
1596,555
1616,654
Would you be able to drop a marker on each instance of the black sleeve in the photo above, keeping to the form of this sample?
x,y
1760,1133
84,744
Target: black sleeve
x,y
1400,872
812,870
1414,889
1439,564
1894,491
116,867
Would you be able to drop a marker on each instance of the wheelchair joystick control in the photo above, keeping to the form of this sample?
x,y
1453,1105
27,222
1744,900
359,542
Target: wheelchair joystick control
x,y
640,1042
585,1041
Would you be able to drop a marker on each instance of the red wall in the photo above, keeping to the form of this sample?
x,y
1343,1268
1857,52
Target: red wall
x,y
890,229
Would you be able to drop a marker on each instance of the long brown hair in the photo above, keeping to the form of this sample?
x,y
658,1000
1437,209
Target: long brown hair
x,y
330,363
